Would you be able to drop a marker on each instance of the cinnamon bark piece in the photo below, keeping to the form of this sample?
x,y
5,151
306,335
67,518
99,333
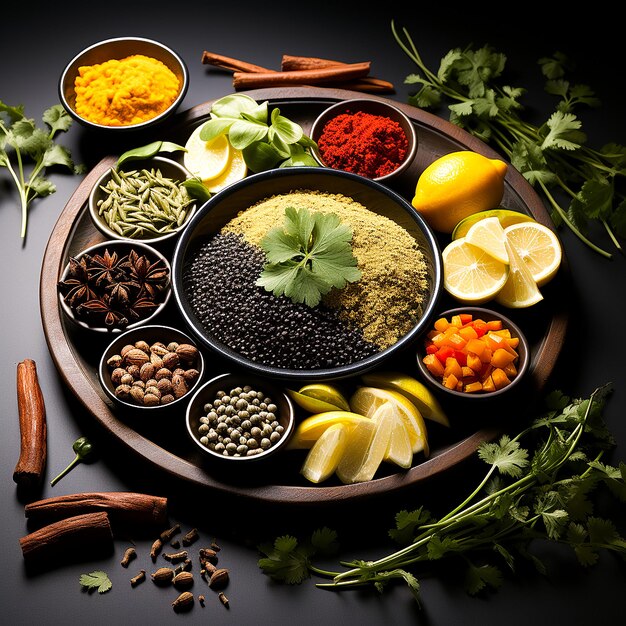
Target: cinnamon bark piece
x,y
31,464
230,63
67,538
124,508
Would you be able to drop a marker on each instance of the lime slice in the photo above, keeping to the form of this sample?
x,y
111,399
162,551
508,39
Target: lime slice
x,y
415,391
507,217
323,458
539,248
319,397
488,235
470,274
206,159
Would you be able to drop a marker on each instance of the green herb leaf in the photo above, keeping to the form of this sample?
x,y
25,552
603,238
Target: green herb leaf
x,y
96,580
564,132
285,561
308,256
196,189
506,455
149,150
479,577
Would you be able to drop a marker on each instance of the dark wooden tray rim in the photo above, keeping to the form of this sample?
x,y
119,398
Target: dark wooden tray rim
x,y
85,388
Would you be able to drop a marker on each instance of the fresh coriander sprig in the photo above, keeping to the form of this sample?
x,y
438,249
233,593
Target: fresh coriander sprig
x,y
21,139
552,157
307,256
543,491
96,580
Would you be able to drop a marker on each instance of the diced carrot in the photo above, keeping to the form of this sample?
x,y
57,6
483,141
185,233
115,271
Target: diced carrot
x,y
456,321
494,324
468,332
501,358
467,372
475,346
434,365
513,342
461,357
431,348
455,341
452,367
444,353
473,387
441,324
504,332
488,384
485,357
500,379
474,362
466,318
450,381
438,339
510,370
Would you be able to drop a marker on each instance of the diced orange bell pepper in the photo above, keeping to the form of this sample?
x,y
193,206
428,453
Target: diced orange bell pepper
x,y
452,368
501,358
500,379
441,324
474,362
434,365
468,332
450,382
475,346
473,387
488,384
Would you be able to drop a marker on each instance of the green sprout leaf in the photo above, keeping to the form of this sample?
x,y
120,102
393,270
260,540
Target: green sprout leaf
x,y
96,580
308,256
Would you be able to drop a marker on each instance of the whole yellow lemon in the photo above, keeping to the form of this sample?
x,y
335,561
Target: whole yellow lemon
x,y
456,185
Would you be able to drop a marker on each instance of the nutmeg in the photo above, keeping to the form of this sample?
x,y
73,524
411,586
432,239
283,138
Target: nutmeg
x,y
136,357
115,361
137,394
179,386
142,345
163,373
116,375
191,375
167,398
171,360
187,352
163,576
149,399
159,348
126,349
183,580
165,385
156,360
122,392
146,372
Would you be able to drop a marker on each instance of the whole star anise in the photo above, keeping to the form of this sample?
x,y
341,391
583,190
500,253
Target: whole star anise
x,y
104,268
152,277
105,309
76,288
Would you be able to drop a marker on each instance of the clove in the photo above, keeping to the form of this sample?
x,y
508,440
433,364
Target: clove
x,y
135,580
129,555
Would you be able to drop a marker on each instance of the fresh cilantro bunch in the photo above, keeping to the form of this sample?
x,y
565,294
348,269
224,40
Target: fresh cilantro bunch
x,y
581,185
21,140
308,256
266,140
539,485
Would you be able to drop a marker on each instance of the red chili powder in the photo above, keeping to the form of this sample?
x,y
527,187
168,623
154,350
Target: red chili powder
x,y
363,143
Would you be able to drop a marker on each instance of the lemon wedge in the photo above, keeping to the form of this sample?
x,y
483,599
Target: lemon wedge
x,y
235,170
398,449
356,452
206,159
323,458
319,397
488,235
507,217
415,391
520,290
539,248
310,429
366,400
470,274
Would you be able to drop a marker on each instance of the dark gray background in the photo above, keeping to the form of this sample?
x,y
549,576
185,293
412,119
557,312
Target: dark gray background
x,y
33,51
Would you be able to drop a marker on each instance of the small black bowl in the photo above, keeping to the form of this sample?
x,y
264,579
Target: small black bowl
x,y
522,364
372,107
207,394
149,334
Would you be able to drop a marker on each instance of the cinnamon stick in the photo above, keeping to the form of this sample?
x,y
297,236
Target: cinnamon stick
x,y
124,508
256,80
290,62
68,537
230,63
30,467
368,84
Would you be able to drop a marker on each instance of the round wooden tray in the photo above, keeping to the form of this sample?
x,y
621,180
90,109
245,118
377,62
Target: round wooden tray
x,y
167,447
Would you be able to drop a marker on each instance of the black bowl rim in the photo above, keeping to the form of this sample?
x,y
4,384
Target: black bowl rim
x,y
521,372
148,123
413,141
114,243
276,391
345,371
102,369
98,222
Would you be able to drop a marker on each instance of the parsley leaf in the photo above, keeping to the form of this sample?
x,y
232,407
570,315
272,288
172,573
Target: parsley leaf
x,y
308,256
96,580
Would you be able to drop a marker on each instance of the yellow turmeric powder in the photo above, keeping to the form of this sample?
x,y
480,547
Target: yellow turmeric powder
x,y
124,92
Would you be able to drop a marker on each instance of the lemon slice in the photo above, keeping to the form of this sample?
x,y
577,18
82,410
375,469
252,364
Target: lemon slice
x,y
520,290
319,397
310,429
415,391
399,447
366,400
356,452
323,458
470,274
206,159
236,170
488,235
507,217
539,248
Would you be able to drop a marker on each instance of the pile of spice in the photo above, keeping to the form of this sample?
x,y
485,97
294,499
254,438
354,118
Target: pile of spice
x,y
108,290
349,325
124,92
143,204
363,143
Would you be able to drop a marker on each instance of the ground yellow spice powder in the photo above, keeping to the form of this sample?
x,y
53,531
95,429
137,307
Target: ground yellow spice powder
x,y
123,92
387,301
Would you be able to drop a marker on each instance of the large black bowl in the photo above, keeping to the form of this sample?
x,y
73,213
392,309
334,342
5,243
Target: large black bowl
x,y
226,204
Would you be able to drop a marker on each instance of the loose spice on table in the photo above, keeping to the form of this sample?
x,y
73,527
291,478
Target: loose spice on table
x,y
124,92
363,143
350,324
